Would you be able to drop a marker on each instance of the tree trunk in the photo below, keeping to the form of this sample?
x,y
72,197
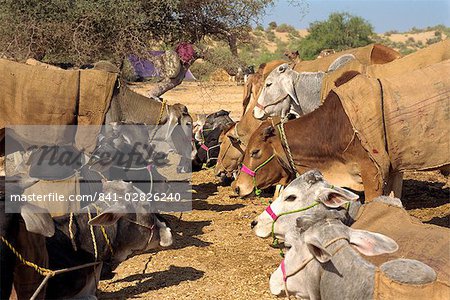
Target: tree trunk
x,y
232,43
169,83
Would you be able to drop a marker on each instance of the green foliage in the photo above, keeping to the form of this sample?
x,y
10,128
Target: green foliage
x,y
272,25
202,70
341,31
434,40
82,31
270,35
405,51
390,32
259,28
285,28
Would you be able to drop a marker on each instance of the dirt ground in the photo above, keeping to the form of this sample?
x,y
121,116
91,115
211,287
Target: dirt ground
x,y
215,254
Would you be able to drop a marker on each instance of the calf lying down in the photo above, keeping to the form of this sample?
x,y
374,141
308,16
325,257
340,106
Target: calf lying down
x,y
323,262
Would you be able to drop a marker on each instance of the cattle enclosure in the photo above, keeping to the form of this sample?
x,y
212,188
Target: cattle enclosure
x,y
215,254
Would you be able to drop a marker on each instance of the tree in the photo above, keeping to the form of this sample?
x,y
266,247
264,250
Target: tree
x,y
341,31
85,31
272,25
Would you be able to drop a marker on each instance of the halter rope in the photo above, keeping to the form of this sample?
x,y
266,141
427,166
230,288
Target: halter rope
x,y
252,173
275,241
285,144
307,261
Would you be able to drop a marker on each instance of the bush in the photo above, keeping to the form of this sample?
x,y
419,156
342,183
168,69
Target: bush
x,y
433,40
285,28
202,70
406,51
272,25
270,36
259,28
391,32
341,31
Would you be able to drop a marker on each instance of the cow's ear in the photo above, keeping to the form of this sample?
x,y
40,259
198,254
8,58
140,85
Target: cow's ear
x,y
110,216
37,220
371,243
316,247
334,196
268,132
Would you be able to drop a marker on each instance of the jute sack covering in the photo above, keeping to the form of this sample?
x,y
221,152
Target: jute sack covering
x,y
96,90
406,125
35,95
368,55
34,62
431,55
427,243
65,187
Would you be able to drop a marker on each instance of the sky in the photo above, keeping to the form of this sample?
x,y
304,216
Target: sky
x,y
384,15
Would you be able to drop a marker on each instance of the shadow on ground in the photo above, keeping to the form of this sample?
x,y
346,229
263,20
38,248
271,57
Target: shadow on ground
x,y
152,281
424,194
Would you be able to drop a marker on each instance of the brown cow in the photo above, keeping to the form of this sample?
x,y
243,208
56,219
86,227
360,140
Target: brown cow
x,y
323,139
348,152
234,141
231,152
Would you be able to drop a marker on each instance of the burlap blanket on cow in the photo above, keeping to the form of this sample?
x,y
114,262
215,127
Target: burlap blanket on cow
x,y
368,55
431,55
427,243
65,187
35,95
415,110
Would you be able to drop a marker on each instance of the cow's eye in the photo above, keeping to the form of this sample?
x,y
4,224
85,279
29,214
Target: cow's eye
x,y
268,84
254,153
290,198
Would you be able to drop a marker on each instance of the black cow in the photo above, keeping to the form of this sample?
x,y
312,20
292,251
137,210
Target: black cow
x,y
26,232
207,139
128,226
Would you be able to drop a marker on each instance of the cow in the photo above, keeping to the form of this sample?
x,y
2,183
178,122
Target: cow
x,y
107,232
207,139
234,141
301,196
25,232
323,262
89,97
347,153
287,91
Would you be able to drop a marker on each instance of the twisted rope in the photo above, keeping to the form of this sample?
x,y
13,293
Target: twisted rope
x,y
288,149
41,270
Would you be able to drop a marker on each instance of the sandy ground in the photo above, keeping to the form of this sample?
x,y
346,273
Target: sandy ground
x,y
421,36
205,97
215,254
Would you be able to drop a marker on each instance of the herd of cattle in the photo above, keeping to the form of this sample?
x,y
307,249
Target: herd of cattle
x,y
362,117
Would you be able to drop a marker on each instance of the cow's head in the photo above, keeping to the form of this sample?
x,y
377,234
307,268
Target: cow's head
x,y
300,197
138,230
319,239
277,93
261,166
230,156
